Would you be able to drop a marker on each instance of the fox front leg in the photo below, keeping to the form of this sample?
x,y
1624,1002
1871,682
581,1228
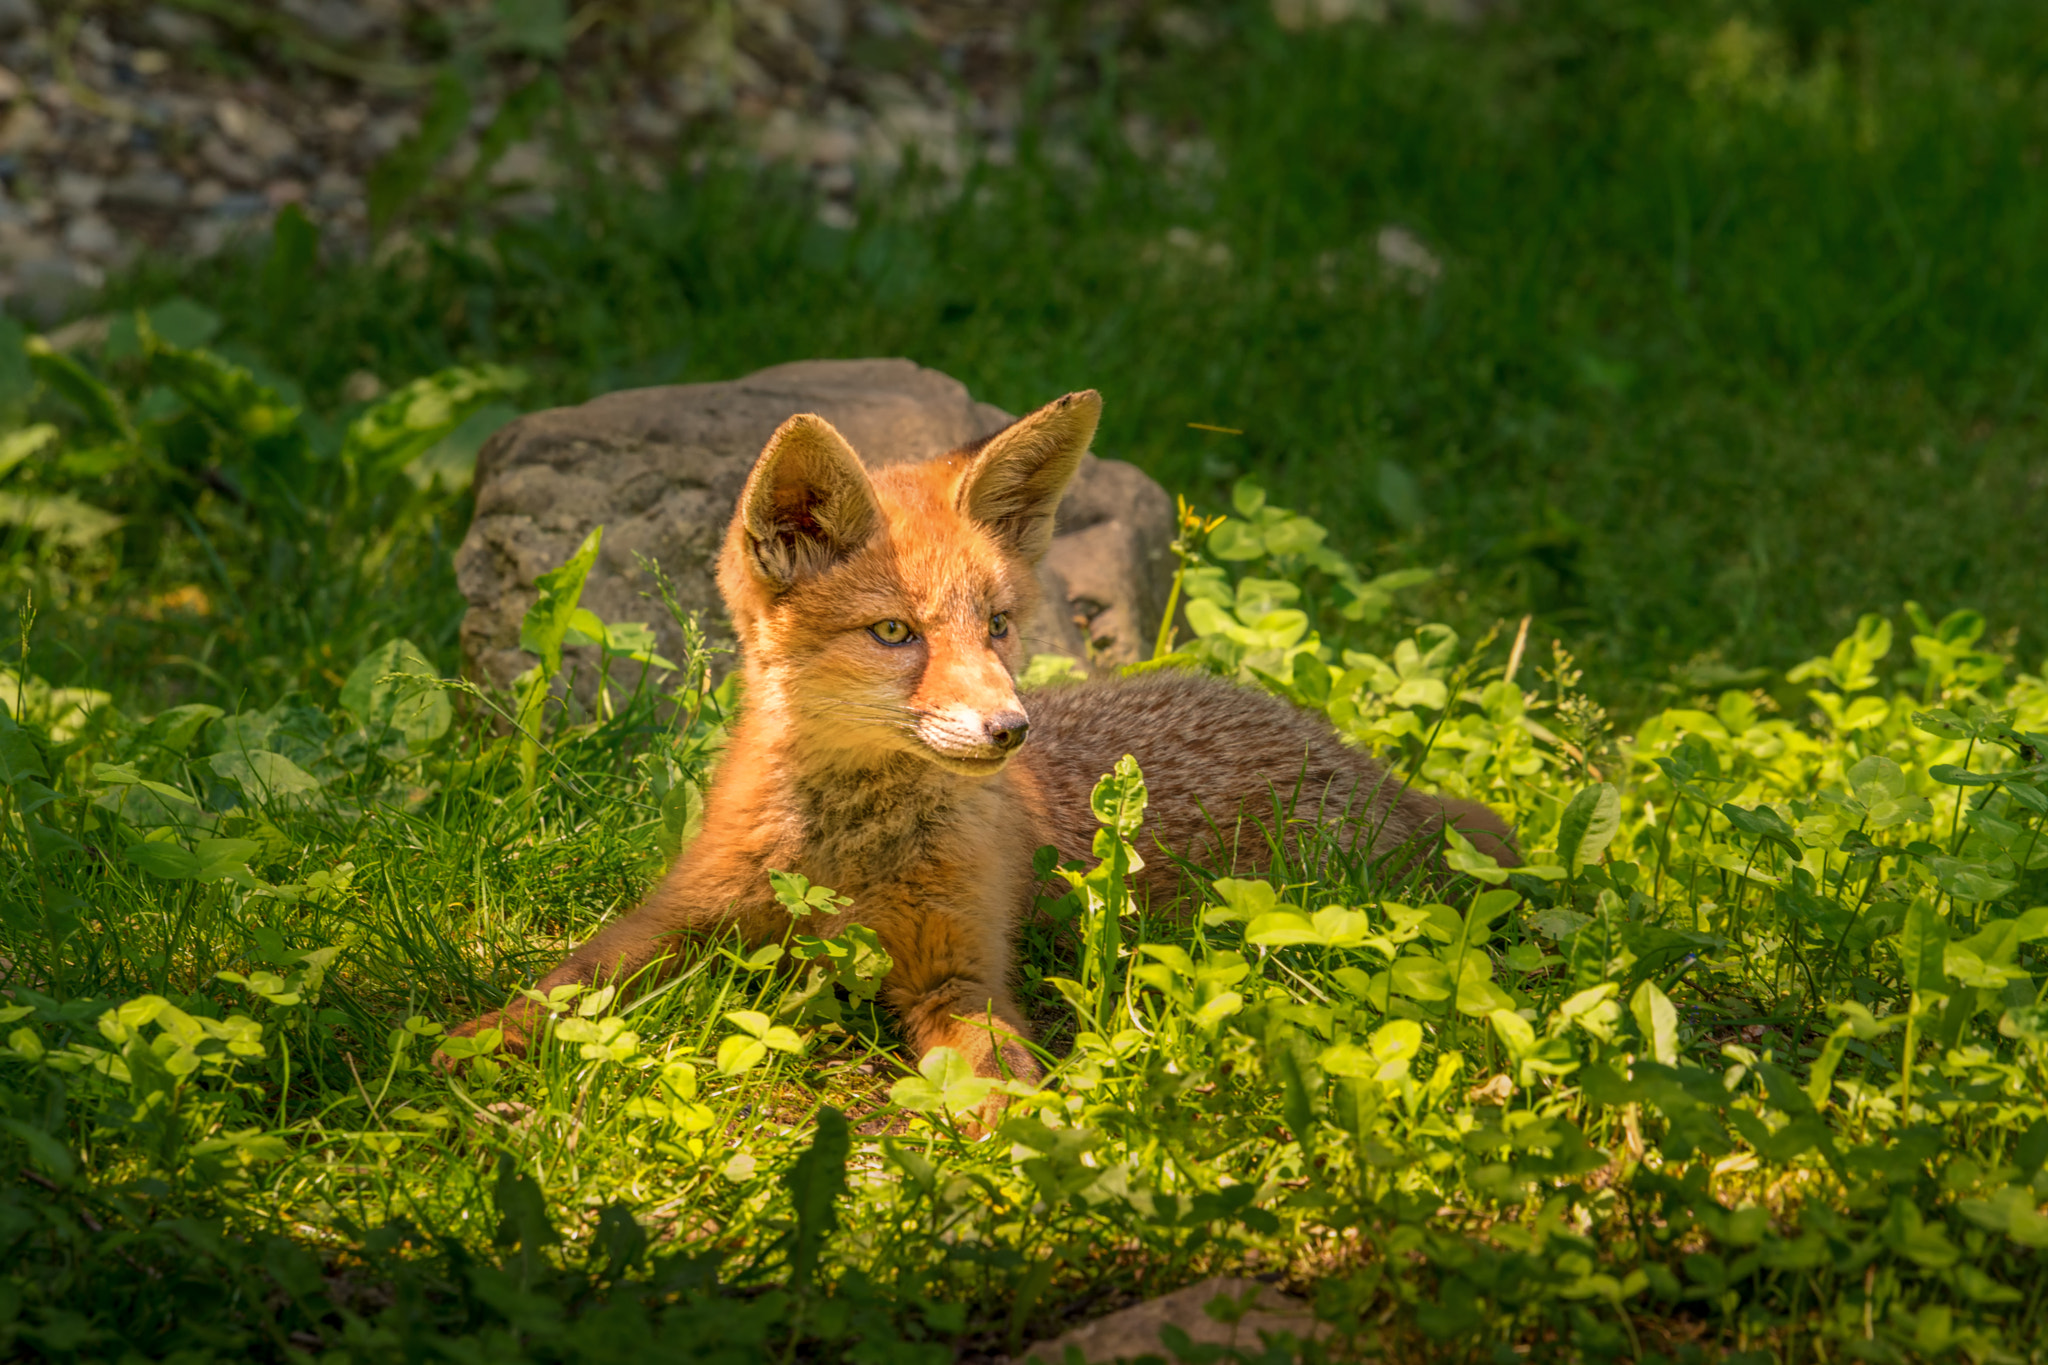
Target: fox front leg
x,y
687,902
949,986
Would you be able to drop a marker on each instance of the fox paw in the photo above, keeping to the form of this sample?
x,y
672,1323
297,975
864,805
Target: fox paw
x,y
513,1044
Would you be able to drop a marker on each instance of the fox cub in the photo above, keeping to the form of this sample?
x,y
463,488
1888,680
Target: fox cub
x,y
882,748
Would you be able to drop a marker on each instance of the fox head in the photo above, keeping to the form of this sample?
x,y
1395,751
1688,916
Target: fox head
x,y
883,613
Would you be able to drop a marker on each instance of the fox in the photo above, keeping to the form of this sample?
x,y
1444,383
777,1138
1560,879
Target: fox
x,y
882,748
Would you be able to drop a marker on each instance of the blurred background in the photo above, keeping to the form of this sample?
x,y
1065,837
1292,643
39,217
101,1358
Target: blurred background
x,y
1693,329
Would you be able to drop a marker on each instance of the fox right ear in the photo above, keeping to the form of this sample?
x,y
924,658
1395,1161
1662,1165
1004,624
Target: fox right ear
x,y
807,504
1016,480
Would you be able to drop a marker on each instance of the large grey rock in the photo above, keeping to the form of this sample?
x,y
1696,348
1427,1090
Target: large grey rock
x,y
1133,1333
661,470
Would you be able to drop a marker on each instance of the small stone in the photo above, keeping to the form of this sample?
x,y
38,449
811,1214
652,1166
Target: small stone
x,y
525,163
207,193
1402,252
282,192
528,204
149,61
386,131
255,131
76,190
653,122
92,237
340,22
147,189
336,187
16,18
343,119
834,214
1134,1332
26,129
240,205
11,87
93,43
176,28
229,162
19,242
52,286
362,387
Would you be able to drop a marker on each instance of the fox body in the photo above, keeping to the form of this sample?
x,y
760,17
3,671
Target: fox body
x,y
883,750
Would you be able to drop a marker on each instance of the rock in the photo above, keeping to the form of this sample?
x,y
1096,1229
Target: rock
x,y
16,18
48,287
176,28
1134,1331
76,190
147,189
662,468
92,237
344,23
254,131
26,129
228,161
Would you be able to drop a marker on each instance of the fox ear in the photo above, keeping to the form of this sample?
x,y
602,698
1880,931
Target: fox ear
x,y
807,504
1014,484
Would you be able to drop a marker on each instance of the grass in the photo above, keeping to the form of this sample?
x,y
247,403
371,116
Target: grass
x,y
1732,343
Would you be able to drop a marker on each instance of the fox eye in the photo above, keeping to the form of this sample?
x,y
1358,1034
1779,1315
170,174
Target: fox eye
x,y
891,632
999,624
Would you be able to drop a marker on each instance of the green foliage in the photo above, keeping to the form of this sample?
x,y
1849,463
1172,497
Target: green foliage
x,y
1733,340
1755,1036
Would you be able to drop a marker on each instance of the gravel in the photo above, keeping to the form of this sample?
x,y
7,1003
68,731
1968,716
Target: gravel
x,y
158,129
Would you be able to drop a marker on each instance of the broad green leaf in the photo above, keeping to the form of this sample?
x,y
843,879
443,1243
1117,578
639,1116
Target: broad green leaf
x,y
263,776
1421,978
1278,928
17,446
1461,856
1922,944
1119,798
1515,1032
738,1053
1588,825
395,429
1657,1020
173,862
394,689
227,394
547,620
79,387
945,1083
1242,900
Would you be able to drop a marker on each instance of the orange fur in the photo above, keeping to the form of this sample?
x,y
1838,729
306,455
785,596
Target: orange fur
x,y
898,774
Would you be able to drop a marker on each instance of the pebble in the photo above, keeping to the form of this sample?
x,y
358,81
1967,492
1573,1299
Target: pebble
x,y
228,162
76,190
177,28
51,286
92,237
147,189
26,130
335,188
16,17
240,205
262,136
340,22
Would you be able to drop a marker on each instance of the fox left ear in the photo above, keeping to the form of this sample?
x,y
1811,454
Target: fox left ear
x,y
807,504
1014,484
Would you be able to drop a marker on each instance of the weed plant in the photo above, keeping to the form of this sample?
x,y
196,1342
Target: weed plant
x,y
1749,1057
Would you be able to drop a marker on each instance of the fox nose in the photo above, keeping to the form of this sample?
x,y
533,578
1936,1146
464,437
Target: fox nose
x,y
1006,729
